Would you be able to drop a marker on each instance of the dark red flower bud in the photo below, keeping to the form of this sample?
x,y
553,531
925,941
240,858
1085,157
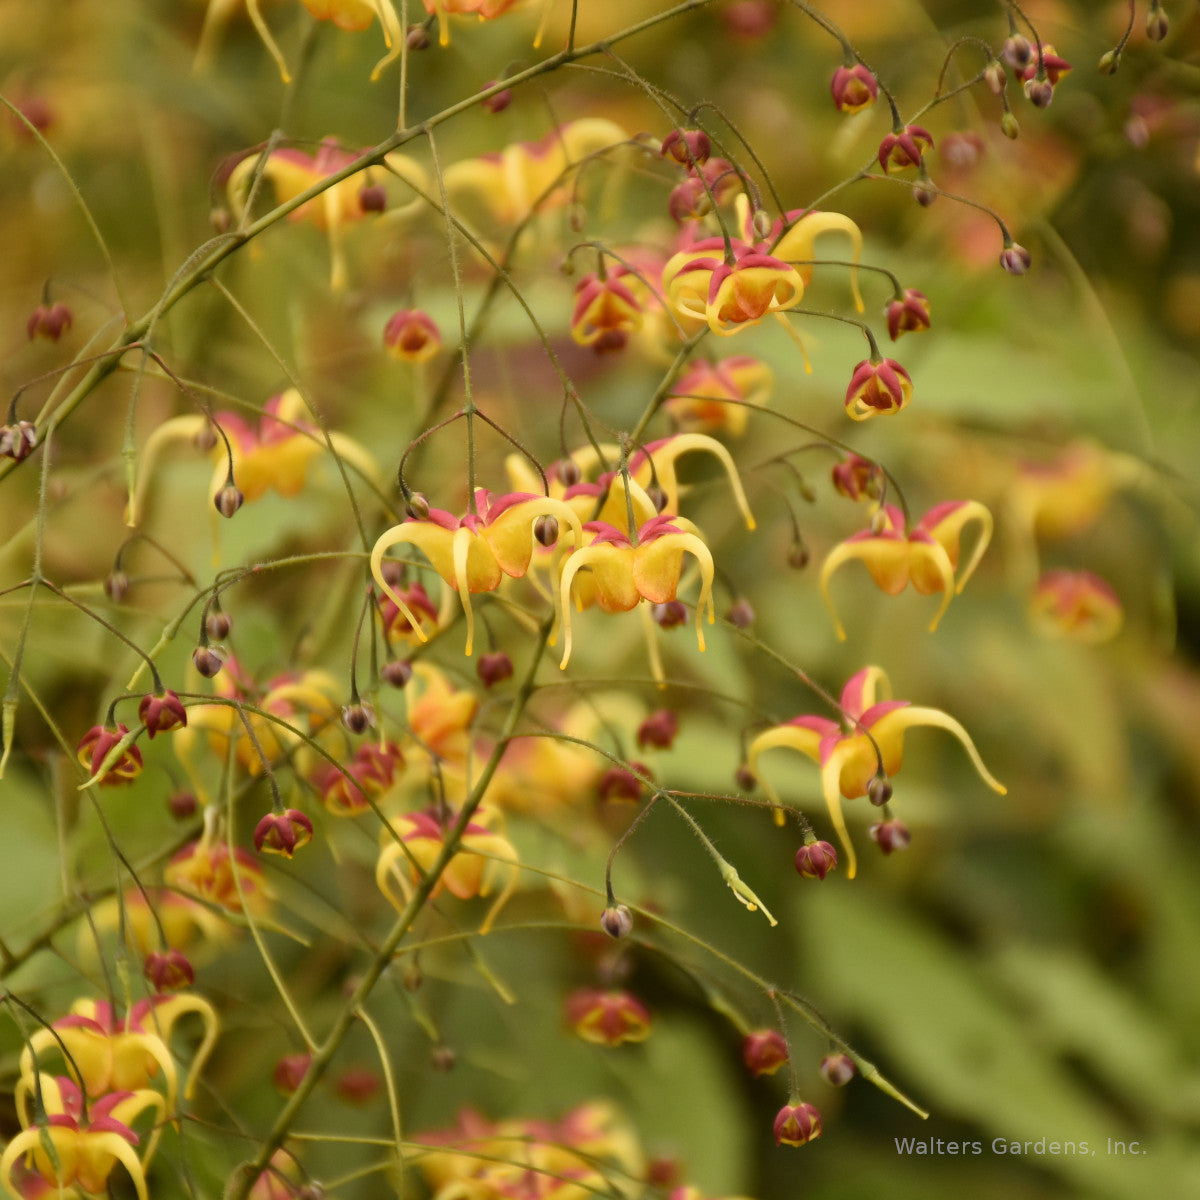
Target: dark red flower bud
x,y
797,1125
290,1071
853,88
814,860
670,615
879,790
740,614
116,585
908,313
396,673
207,661
905,148
658,729
18,441
1039,92
620,784
169,972
607,1018
1017,52
1015,259
545,529
1157,24
218,624
494,668
161,713
357,1085
856,477
764,1051
49,321
283,833
417,37
745,778
372,198
689,148
358,718
498,102
182,805
96,745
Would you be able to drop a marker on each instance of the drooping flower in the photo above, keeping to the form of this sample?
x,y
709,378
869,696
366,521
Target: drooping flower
x,y
797,1125
868,744
616,572
853,88
1076,604
709,396
412,336
907,313
98,744
607,1017
485,10
607,309
292,172
903,148
70,1149
474,553
927,557
283,833
159,713
877,387
346,789
415,840
764,1051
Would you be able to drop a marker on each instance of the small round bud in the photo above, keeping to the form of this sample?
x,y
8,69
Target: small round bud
x,y
670,615
545,530
740,614
797,1125
205,438
417,506
814,860
442,1058
1015,259
1109,63
837,1069
1157,24
568,472
1017,52
925,196
283,833
494,668
183,805
761,223
169,972
994,77
890,835
619,784
417,37
1010,127
657,497
358,718
745,778
798,556
357,1085
577,217
396,673
290,1071
18,441
218,624
207,661
116,584
617,921
229,499
659,730
764,1051
879,790
372,198
1039,92
690,148
500,101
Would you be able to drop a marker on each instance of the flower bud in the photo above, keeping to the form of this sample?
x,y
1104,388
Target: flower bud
x,y
797,1125
689,148
49,321
925,196
908,313
18,441
879,790
1015,259
837,1069
417,507
372,198
229,499
357,1085
290,1071
498,102
116,585
358,718
658,730
283,833
1109,63
607,1018
853,88
1010,127
545,529
417,37
617,921
217,624
442,1058
745,778
207,661
890,835
1017,52
182,805
740,614
161,713
1039,92
814,860
169,972
670,615
568,472
994,77
764,1051
1157,24
657,497
96,745
620,784
396,673
412,336
877,387
798,555
494,668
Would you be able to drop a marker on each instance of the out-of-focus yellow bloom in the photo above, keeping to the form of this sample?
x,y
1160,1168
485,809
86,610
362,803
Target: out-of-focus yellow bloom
x,y
416,839
1076,604
927,557
709,397
868,743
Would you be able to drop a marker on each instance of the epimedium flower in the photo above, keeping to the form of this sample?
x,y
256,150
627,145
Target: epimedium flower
x,y
710,396
475,552
928,556
607,1017
877,386
814,860
283,833
764,1051
226,876
109,755
1076,604
274,453
49,321
607,309
509,185
292,172
110,1053
907,313
347,790
412,336
797,1124
485,10
160,713
617,571
868,744
853,88
413,842
70,1149
857,478
904,147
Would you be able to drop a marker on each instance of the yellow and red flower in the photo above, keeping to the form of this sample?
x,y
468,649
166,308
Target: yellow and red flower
x,y
1076,604
709,397
927,557
869,744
